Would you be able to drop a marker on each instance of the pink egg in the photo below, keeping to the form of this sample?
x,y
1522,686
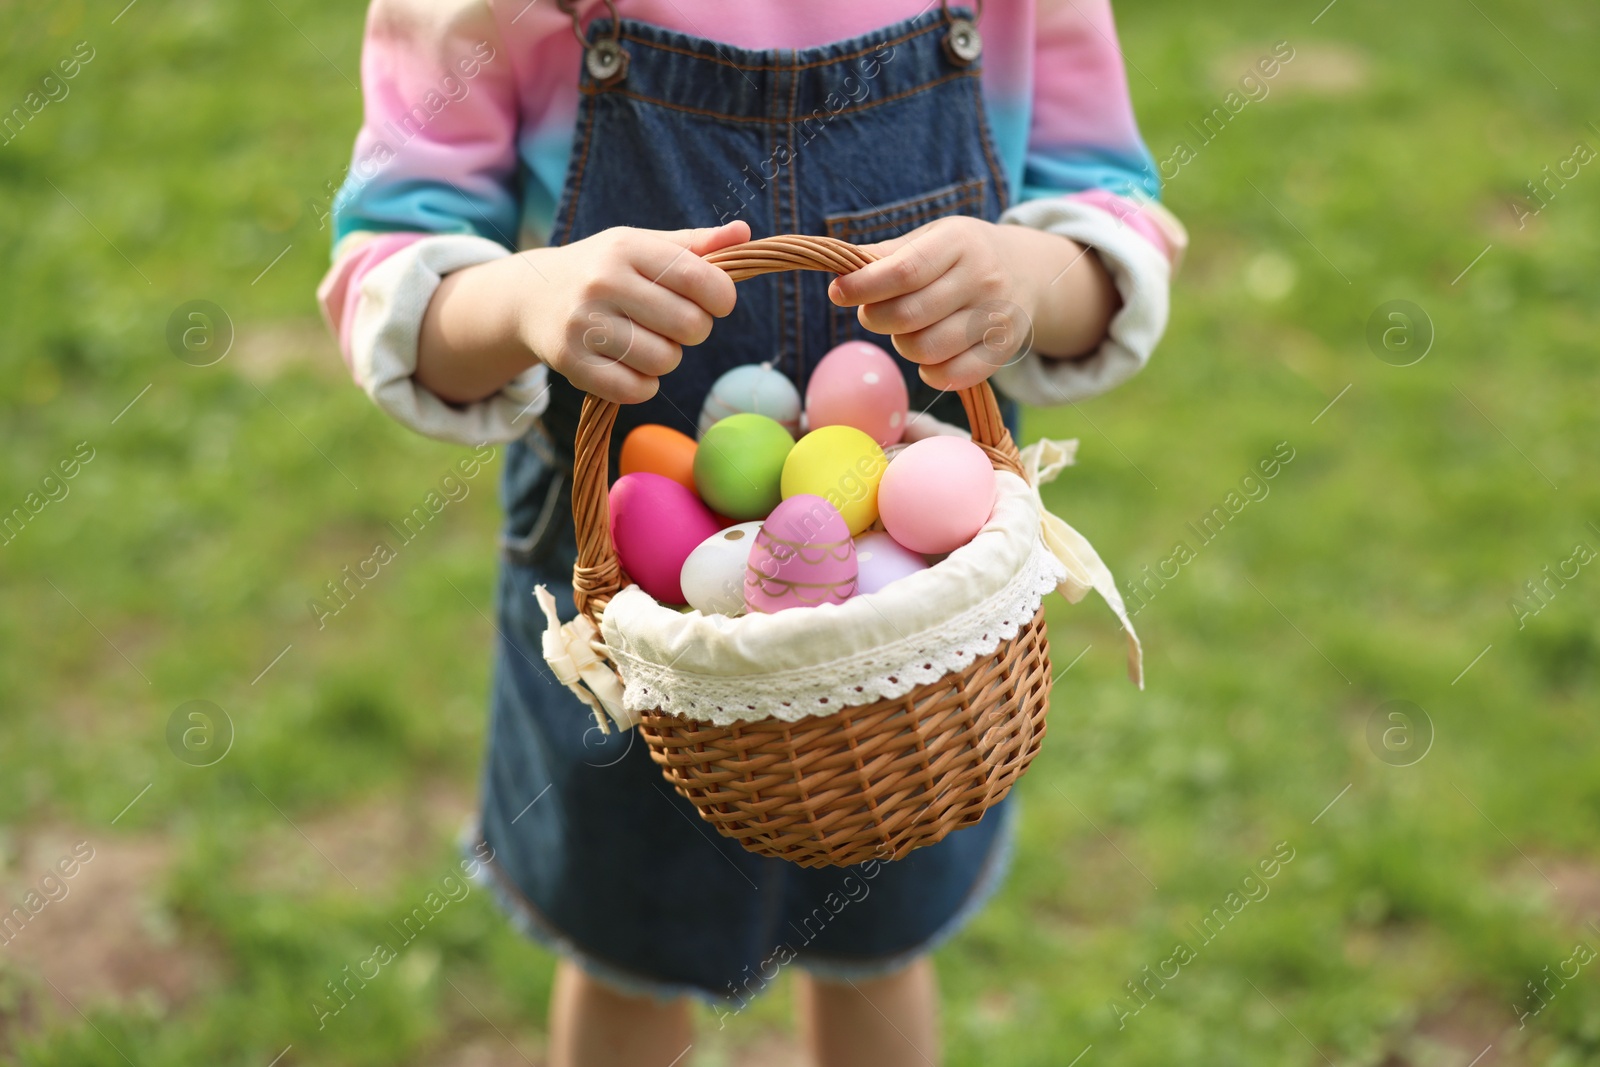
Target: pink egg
x,y
803,556
858,384
882,560
937,494
655,524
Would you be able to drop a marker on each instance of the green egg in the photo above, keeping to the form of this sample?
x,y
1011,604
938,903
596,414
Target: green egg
x,y
738,467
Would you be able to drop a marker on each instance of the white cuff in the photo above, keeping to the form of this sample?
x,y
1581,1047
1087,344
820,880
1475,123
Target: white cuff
x,y
394,298
1141,274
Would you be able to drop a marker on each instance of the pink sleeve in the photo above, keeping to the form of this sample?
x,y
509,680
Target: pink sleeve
x,y
436,153
1083,141
1145,219
341,286
1087,176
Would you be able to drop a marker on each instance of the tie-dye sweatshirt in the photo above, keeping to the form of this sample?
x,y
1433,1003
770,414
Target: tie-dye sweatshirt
x,y
470,109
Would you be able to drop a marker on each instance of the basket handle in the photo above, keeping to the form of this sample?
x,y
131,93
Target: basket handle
x,y
598,575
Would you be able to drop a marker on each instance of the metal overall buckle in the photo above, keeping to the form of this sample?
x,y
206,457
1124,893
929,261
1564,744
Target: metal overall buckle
x,y
962,41
605,59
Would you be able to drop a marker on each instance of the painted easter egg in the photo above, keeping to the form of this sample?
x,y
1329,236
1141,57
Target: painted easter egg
x,y
842,465
738,467
803,556
858,384
755,388
659,450
881,559
713,575
937,494
655,524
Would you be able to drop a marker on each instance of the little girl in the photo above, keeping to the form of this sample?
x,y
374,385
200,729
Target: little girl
x,y
533,187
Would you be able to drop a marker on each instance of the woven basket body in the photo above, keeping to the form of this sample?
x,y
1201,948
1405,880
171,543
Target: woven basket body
x,y
868,782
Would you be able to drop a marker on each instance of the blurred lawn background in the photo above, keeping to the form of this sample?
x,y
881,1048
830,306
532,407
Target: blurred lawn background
x,y
1432,880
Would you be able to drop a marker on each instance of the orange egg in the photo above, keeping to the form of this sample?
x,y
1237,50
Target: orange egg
x,y
660,450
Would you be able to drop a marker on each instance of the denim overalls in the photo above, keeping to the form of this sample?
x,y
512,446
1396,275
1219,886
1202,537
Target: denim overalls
x,y
863,140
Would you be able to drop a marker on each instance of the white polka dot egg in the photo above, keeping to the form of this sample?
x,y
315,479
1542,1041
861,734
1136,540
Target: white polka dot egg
x,y
859,384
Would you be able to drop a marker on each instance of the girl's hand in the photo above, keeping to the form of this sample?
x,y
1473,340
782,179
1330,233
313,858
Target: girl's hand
x,y
625,302
964,297
610,313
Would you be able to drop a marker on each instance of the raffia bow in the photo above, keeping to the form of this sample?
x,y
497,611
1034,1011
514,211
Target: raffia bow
x,y
1041,462
569,648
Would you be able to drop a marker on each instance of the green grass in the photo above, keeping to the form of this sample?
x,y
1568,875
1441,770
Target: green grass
x,y
1378,568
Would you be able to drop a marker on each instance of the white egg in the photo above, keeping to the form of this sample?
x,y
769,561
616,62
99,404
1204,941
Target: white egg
x,y
713,575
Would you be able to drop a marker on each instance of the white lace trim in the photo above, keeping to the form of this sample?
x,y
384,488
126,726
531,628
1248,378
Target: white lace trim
x,y
884,672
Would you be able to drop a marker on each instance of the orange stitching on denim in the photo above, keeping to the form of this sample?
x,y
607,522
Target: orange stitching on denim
x,y
779,283
587,90
909,222
1002,193
908,35
898,225
868,220
901,224
858,221
575,184
794,227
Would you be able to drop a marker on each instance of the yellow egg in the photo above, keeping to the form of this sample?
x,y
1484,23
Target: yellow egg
x,y
843,466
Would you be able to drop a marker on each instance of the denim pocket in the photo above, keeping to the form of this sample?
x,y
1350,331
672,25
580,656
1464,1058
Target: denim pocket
x,y
901,217
532,540
895,220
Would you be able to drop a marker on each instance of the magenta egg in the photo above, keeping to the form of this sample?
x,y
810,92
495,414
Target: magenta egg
x,y
858,384
880,559
937,494
655,524
803,556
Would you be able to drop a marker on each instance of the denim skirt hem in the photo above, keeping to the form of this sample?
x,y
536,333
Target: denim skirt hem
x,y
533,924
990,878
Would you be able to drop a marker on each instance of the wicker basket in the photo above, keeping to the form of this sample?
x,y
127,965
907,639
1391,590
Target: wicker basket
x,y
873,781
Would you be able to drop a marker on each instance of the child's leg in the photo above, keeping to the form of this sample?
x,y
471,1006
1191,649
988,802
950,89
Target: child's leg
x,y
593,1025
883,1022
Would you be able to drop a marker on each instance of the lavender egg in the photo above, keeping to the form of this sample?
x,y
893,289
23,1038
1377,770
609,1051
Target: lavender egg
x,y
803,556
881,560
